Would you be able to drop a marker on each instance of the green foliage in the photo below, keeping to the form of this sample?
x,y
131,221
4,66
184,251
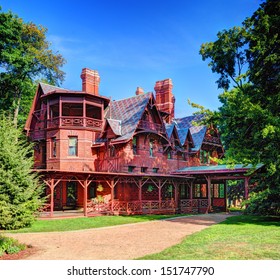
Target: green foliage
x,y
247,58
25,57
235,190
10,246
228,57
20,189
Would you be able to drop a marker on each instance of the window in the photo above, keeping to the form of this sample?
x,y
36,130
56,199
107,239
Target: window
x,y
182,191
155,170
144,169
131,168
135,145
73,146
169,155
71,193
221,190
203,190
196,192
53,147
152,147
218,190
112,151
200,191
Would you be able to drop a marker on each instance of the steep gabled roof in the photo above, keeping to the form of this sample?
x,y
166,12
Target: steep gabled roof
x,y
169,128
197,131
128,112
183,135
49,88
115,126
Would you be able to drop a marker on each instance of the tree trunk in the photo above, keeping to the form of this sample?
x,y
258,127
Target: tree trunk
x,y
16,110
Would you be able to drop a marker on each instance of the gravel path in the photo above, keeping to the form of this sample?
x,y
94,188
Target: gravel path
x,y
112,243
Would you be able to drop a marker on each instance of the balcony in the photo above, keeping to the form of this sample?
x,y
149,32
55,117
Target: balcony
x,y
85,122
150,126
212,140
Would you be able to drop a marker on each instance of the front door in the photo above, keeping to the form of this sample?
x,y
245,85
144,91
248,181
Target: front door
x,y
71,195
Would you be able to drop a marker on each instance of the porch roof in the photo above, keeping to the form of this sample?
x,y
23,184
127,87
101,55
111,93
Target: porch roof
x,y
218,169
66,173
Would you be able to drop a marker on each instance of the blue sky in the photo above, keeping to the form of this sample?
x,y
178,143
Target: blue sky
x,y
136,43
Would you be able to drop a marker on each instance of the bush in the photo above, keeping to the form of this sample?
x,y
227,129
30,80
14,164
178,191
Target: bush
x,y
20,188
10,246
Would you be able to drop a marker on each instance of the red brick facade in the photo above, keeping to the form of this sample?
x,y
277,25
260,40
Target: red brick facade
x,y
116,151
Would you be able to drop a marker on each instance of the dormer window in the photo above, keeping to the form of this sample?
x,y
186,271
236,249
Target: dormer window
x,y
169,155
112,151
152,141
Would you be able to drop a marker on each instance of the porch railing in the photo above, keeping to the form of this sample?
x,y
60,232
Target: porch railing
x,y
132,207
74,121
193,205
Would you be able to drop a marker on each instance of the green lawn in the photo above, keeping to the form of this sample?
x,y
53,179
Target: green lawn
x,y
237,238
88,222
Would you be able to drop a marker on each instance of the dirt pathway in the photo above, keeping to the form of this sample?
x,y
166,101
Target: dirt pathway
x,y
119,242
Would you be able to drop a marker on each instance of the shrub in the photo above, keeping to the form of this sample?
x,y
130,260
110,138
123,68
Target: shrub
x,y
10,246
20,188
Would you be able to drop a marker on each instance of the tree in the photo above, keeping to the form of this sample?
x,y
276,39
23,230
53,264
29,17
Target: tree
x,y
25,56
247,58
20,188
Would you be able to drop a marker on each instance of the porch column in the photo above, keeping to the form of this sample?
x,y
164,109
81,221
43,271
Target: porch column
x,y
226,197
159,192
140,194
191,194
85,196
52,196
112,186
176,193
140,190
60,111
209,193
84,112
246,185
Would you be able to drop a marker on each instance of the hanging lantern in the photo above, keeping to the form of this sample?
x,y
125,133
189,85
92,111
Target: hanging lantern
x,y
99,188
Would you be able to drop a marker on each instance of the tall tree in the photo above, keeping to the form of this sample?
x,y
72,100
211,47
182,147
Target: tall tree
x,y
247,58
20,188
25,56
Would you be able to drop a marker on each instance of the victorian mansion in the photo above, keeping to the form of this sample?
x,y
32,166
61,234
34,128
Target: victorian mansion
x,y
129,156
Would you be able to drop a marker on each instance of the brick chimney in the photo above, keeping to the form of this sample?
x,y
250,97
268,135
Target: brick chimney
x,y
90,81
165,99
139,91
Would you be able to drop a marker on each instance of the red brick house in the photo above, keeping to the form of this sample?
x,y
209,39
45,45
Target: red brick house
x,y
130,156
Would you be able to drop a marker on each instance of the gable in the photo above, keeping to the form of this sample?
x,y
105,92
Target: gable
x,y
173,134
127,115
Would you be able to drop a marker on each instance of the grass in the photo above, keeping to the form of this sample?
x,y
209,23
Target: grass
x,y
87,223
238,238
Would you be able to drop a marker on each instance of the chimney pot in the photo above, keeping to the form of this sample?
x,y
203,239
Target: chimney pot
x,y
164,98
139,91
90,81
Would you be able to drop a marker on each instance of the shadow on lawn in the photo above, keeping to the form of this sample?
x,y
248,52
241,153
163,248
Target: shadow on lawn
x,y
256,220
